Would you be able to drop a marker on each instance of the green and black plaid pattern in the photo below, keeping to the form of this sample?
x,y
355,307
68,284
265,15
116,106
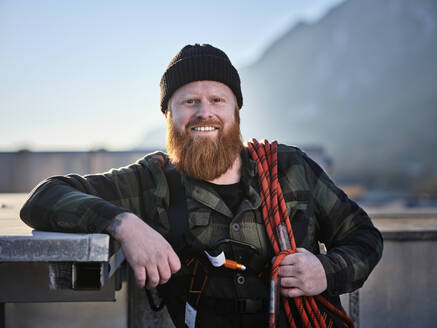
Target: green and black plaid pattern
x,y
318,211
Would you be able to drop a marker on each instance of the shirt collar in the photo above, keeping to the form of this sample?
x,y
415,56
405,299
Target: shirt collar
x,y
206,195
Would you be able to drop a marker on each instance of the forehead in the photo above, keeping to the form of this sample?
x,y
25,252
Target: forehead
x,y
203,87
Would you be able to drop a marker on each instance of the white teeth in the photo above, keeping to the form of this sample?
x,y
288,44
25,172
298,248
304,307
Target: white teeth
x,y
204,128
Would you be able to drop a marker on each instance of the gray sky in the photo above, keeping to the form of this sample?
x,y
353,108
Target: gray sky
x,y
79,75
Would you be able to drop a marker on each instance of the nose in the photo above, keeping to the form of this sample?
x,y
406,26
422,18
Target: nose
x,y
204,110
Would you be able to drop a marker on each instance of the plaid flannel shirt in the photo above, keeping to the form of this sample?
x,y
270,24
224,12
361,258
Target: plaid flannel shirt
x,y
318,210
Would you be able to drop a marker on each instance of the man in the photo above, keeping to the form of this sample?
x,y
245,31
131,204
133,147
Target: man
x,y
201,99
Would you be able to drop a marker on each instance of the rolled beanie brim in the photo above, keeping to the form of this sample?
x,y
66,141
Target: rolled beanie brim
x,y
199,68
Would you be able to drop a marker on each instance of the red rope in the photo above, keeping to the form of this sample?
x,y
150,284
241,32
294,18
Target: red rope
x,y
275,216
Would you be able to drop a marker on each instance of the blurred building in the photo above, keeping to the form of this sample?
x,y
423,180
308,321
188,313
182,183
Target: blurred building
x,y
354,188
21,171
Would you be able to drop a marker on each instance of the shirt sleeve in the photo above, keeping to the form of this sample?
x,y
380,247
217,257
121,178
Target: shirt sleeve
x,y
354,244
88,204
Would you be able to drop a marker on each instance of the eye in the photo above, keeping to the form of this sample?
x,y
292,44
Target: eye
x,y
217,99
191,101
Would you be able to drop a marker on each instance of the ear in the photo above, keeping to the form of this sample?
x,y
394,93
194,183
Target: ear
x,y
165,114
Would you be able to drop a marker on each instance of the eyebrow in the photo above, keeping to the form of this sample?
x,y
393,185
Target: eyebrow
x,y
220,95
193,95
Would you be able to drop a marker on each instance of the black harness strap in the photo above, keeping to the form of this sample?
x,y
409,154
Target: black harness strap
x,y
178,220
177,211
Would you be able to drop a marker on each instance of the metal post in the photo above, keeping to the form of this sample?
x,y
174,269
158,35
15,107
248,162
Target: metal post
x,y
139,312
137,303
354,308
2,315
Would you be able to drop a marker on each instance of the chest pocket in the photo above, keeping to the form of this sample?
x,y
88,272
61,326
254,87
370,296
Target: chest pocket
x,y
300,218
199,225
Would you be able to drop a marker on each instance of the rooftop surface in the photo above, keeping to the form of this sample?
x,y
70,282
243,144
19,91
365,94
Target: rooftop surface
x,y
386,220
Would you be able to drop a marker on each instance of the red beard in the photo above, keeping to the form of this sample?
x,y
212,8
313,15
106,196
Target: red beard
x,y
204,158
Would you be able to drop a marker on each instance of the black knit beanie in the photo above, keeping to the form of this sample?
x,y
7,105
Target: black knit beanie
x,y
199,63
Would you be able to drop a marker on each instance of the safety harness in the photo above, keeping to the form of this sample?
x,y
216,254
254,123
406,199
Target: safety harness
x,y
280,234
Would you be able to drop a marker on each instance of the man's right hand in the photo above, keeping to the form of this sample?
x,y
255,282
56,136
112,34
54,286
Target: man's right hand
x,y
150,256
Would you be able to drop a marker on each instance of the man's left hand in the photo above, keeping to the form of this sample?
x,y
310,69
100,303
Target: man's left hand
x,y
302,274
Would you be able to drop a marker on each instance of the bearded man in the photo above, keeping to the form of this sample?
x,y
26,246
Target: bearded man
x,y
222,213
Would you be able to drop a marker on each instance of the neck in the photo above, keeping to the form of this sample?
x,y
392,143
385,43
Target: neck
x,y
232,175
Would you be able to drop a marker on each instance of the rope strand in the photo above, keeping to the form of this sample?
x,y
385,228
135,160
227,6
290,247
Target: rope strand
x,y
275,215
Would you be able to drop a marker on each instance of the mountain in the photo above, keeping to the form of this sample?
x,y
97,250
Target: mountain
x,y
361,82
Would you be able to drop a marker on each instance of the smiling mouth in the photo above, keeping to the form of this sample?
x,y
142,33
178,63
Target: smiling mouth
x,y
204,128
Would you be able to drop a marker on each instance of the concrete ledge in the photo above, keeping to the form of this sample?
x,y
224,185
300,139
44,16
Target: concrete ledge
x,y
19,243
409,235
30,282
54,247
398,227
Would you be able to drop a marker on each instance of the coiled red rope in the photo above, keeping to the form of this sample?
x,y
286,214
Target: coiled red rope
x,y
276,219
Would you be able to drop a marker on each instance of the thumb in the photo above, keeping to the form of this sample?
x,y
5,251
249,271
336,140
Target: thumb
x,y
302,250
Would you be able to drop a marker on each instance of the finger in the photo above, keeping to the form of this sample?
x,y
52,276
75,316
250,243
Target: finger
x,y
290,282
288,271
292,292
164,272
302,250
140,275
174,262
290,259
152,277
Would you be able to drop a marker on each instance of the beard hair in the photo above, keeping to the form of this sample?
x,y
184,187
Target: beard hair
x,y
203,157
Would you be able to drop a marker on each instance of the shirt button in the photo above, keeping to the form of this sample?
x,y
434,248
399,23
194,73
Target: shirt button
x,y
92,228
235,227
241,280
